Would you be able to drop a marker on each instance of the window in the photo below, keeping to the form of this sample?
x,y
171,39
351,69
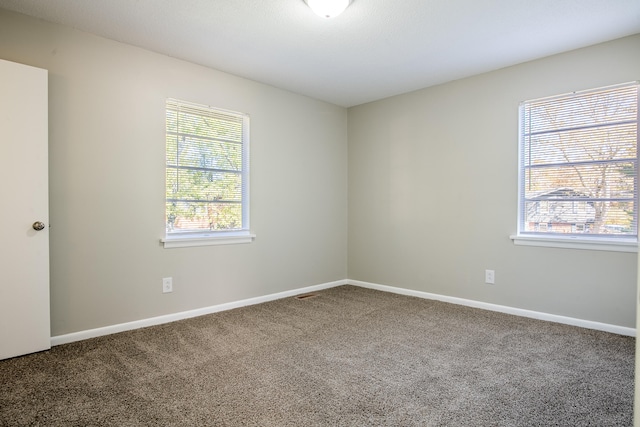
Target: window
x,y
207,176
579,166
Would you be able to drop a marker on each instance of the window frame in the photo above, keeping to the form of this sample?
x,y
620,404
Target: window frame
x,y
628,243
181,239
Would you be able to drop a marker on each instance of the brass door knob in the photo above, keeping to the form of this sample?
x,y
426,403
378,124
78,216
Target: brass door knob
x,y
38,226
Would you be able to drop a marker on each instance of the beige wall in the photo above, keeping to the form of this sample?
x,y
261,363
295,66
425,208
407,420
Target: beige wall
x,y
107,181
433,192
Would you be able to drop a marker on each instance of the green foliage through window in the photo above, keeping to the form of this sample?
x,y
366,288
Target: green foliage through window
x,y
206,182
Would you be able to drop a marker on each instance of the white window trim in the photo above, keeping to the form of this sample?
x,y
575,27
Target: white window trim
x,y
594,244
622,244
207,239
222,237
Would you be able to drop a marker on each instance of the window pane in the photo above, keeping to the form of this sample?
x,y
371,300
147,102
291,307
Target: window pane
x,y
205,123
209,154
610,218
185,184
182,216
583,109
599,180
603,143
579,163
205,171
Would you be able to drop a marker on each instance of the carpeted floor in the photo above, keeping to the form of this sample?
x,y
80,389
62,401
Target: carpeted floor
x,y
347,357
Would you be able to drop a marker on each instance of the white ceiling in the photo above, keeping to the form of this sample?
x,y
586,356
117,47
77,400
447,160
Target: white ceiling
x,y
375,49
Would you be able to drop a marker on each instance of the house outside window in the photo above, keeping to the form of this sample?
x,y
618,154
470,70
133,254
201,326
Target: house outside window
x,y
207,176
578,168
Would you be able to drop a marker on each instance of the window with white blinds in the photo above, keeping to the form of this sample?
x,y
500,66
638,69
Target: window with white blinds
x,y
207,171
579,165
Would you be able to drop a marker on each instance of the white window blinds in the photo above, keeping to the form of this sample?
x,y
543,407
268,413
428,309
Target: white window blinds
x,y
207,181
579,164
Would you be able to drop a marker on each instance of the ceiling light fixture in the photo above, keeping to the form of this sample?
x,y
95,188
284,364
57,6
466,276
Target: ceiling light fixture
x,y
328,8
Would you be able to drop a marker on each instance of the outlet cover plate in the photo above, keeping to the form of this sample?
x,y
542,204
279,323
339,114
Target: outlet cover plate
x,y
167,285
490,277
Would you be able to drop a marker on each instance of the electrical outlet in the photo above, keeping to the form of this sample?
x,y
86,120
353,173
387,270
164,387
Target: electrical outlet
x,y
167,285
490,277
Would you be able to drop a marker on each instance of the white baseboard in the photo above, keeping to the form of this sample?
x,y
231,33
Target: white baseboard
x,y
621,330
92,333
137,324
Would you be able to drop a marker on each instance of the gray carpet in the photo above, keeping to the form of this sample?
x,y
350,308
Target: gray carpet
x,y
347,357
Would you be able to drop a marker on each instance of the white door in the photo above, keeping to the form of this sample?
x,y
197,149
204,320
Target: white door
x,y
24,251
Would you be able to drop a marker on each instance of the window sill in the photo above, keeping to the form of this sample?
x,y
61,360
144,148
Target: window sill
x,y
612,245
184,241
